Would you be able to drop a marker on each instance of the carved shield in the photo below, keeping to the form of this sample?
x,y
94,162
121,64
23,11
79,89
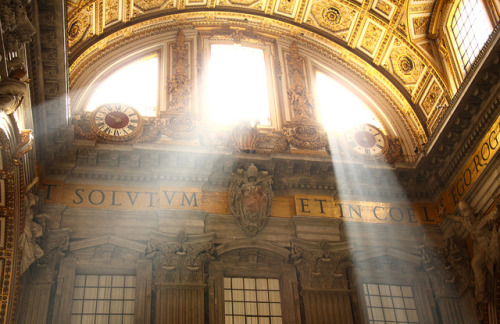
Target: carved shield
x,y
250,199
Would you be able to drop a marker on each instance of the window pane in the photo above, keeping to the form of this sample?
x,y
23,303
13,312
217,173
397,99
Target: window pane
x,y
258,301
386,304
237,85
471,28
101,295
135,84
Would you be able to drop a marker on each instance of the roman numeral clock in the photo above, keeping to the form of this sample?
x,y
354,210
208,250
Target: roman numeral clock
x,y
367,141
116,122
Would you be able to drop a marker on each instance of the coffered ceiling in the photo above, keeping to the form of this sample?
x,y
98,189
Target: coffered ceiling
x,y
389,38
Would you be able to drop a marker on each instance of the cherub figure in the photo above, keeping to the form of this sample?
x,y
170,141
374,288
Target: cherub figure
x,y
484,234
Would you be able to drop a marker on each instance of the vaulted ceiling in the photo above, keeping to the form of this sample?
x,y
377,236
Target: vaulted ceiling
x,y
390,42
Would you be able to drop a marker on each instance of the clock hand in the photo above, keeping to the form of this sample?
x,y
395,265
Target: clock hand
x,y
116,119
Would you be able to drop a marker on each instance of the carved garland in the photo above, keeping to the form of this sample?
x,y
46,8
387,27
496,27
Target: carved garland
x,y
179,123
302,131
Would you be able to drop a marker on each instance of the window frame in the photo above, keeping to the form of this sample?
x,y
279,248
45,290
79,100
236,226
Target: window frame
x,y
108,67
256,301
367,308
269,49
457,56
83,298
69,268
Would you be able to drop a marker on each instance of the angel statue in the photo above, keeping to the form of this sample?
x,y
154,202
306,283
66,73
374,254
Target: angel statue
x,y
484,235
14,87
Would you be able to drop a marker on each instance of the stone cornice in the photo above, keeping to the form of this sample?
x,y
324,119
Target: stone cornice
x,y
470,115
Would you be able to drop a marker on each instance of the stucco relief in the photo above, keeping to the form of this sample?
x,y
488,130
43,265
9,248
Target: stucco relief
x,y
333,16
406,65
80,26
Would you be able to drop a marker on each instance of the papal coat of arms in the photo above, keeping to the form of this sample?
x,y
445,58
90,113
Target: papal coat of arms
x,y
250,198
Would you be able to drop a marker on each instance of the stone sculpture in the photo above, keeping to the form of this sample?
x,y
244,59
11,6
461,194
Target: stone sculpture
x,y
250,198
484,234
32,231
12,88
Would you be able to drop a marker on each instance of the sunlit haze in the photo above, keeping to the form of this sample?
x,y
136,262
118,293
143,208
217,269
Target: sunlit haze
x,y
237,85
339,109
135,84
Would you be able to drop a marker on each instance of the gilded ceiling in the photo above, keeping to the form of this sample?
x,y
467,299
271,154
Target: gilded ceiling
x,y
387,38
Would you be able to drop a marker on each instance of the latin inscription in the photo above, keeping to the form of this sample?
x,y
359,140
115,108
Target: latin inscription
x,y
476,164
370,212
126,199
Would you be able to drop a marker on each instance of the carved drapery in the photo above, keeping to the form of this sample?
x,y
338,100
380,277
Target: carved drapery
x,y
180,258
250,198
302,131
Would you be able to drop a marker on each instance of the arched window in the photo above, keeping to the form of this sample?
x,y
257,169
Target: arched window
x,y
135,84
339,108
471,27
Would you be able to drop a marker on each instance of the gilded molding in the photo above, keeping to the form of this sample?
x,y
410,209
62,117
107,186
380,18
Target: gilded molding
x,y
310,40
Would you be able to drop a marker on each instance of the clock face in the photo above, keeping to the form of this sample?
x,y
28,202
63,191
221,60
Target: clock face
x,y
116,122
367,140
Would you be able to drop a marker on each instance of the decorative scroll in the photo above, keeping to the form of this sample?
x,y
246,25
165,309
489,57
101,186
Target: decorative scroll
x,y
303,131
250,198
322,265
16,27
306,135
181,127
181,258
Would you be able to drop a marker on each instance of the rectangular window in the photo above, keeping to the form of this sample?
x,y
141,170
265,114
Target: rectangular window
x,y
390,304
103,299
237,86
252,301
471,28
